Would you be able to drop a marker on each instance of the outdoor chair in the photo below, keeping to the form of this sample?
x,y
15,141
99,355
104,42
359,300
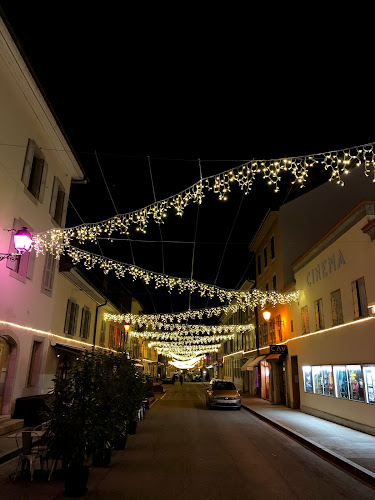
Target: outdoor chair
x,y
29,451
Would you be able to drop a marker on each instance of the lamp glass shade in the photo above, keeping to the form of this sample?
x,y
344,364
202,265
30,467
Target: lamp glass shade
x,y
126,327
266,315
22,240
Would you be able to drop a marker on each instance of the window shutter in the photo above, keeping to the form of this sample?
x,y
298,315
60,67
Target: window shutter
x,y
43,181
75,318
28,162
67,316
52,207
363,297
355,299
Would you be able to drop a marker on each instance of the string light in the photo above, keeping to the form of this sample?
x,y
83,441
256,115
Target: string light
x,y
338,163
204,339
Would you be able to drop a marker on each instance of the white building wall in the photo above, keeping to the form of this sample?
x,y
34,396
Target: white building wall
x,y
350,343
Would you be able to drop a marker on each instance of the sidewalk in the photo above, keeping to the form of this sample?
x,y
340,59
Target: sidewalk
x,y
350,450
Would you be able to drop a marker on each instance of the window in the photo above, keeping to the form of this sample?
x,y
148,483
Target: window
x,y
48,272
359,298
369,375
34,369
266,287
24,264
272,332
57,207
337,316
305,320
341,382
279,327
263,334
259,265
355,380
102,333
307,378
274,282
265,257
71,318
272,247
291,326
319,319
34,171
111,336
85,323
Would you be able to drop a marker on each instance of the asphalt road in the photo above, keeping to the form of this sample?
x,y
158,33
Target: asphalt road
x,y
183,451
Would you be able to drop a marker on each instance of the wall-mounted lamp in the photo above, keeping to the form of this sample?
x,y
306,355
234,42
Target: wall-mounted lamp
x,y
127,327
22,243
266,315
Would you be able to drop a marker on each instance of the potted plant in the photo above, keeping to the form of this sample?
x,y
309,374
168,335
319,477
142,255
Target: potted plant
x,y
71,415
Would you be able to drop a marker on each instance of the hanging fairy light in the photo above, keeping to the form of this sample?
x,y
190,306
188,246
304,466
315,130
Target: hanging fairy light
x,y
338,163
204,339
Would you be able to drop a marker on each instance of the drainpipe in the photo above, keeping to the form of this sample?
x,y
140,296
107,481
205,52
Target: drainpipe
x,y
95,323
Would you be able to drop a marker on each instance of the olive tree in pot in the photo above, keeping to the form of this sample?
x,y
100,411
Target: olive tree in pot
x,y
109,423
71,415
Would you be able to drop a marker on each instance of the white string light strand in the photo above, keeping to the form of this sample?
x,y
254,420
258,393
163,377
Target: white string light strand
x,y
337,162
249,298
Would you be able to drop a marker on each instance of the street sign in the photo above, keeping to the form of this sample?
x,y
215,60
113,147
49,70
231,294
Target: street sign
x,y
278,349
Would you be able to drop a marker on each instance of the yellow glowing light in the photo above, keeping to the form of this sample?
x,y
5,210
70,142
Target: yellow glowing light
x,y
266,315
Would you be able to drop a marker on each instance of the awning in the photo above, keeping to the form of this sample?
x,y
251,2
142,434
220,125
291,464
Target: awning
x,y
68,348
273,356
252,362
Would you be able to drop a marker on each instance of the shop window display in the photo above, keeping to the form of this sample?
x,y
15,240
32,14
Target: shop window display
x,y
355,379
328,385
341,382
369,376
317,379
307,378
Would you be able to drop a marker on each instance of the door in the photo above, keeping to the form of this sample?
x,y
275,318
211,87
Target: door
x,y
295,383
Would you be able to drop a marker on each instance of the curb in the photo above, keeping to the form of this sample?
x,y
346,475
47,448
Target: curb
x,y
355,470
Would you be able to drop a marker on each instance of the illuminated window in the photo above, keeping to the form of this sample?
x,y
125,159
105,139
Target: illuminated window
x,y
341,382
34,171
319,319
355,382
337,316
369,376
307,378
359,298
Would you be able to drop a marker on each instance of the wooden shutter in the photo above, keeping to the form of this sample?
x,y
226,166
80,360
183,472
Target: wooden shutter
x,y
67,316
355,299
28,162
43,181
52,207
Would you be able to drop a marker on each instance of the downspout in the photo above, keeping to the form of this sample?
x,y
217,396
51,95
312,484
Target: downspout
x,y
95,323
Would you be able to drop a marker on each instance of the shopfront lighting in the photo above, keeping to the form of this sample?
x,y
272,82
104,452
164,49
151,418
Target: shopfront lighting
x,y
22,240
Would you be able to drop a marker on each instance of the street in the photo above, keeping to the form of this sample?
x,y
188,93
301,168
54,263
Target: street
x,y
184,451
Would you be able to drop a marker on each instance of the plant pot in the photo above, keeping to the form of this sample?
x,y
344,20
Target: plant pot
x,y
103,458
76,477
120,443
132,427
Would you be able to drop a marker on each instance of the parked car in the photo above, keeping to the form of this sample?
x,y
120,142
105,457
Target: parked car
x,y
223,394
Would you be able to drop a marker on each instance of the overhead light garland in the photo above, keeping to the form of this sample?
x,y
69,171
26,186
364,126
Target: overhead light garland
x,y
186,340
159,320
185,330
185,365
337,162
250,298
186,352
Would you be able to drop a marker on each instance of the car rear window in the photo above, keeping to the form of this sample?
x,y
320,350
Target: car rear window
x,y
224,386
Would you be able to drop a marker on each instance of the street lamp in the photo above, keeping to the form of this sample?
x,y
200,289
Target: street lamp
x,y
22,243
266,314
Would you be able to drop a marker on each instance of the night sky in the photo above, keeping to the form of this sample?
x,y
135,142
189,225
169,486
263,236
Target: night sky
x,y
135,89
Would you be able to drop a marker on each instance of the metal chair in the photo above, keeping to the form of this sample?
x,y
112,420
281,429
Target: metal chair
x,y
29,451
